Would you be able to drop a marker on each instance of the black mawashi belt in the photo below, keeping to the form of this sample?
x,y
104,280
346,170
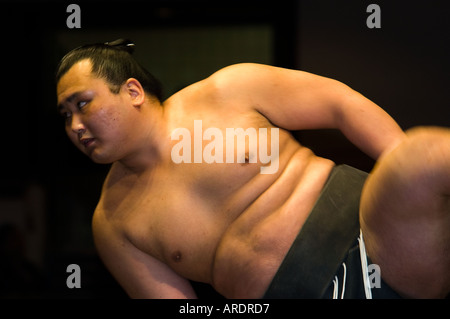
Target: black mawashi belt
x,y
324,240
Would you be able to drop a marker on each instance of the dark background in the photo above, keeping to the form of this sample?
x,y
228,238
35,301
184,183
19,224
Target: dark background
x,y
48,190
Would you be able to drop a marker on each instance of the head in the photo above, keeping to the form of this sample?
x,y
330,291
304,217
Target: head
x,y
101,92
113,62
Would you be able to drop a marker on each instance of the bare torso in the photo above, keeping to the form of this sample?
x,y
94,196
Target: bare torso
x,y
225,224
161,221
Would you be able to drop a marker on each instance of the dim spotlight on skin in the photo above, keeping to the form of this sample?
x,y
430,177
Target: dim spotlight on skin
x,y
163,221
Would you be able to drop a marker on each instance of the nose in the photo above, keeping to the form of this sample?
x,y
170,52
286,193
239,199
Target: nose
x,y
77,125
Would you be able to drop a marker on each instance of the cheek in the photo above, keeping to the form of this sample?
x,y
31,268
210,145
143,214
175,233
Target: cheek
x,y
107,122
102,119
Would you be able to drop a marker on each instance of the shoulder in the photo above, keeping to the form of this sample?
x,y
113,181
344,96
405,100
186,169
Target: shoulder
x,y
239,67
220,86
110,191
239,72
257,80
234,73
262,74
236,81
103,232
113,192
102,223
109,235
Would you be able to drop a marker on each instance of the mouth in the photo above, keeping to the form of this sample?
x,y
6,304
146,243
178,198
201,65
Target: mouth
x,y
86,142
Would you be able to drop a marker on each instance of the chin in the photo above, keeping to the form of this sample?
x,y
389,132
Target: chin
x,y
101,158
102,161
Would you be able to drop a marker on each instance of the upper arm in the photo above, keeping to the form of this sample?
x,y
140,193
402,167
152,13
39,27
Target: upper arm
x,y
139,274
290,99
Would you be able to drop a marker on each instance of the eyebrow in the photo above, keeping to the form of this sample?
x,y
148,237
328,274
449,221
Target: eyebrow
x,y
68,99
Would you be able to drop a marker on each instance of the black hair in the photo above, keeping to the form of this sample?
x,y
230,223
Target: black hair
x,y
113,62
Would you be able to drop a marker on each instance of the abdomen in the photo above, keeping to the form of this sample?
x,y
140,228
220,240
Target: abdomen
x,y
254,245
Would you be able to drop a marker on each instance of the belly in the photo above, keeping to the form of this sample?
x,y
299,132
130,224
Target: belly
x,y
254,245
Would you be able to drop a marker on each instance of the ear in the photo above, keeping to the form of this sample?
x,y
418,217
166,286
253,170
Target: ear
x,y
135,91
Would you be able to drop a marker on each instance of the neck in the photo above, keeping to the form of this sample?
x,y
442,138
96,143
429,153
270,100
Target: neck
x,y
151,141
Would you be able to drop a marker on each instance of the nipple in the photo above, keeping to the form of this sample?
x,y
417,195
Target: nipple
x,y
246,159
176,256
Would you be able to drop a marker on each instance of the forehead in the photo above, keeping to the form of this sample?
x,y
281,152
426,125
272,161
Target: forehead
x,y
78,78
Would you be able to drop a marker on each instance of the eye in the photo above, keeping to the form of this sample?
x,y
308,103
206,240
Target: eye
x,y
81,104
66,115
